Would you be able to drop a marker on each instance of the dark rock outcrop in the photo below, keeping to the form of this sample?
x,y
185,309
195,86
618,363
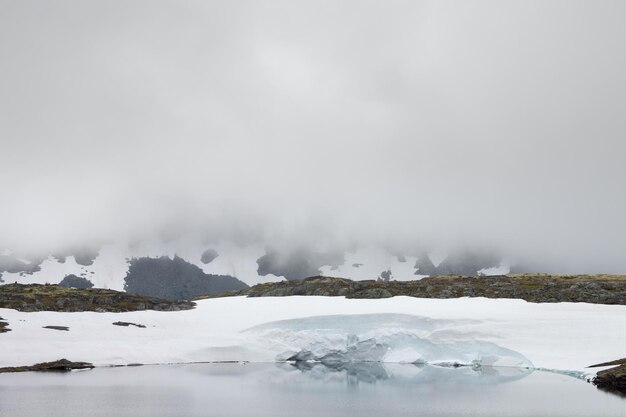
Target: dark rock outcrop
x,y
175,279
37,297
424,266
386,275
61,365
61,328
612,379
598,289
72,281
4,326
208,256
297,263
127,324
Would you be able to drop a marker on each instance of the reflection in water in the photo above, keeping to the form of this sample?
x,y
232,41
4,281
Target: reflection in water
x,y
355,372
371,372
303,390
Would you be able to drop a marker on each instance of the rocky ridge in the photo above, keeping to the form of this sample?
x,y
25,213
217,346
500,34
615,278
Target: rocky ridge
x,y
38,297
175,279
61,365
597,289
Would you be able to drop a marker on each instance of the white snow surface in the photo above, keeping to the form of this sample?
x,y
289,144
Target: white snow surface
x,y
369,262
562,336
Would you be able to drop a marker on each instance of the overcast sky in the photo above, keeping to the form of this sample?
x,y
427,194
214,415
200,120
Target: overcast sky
x,y
470,122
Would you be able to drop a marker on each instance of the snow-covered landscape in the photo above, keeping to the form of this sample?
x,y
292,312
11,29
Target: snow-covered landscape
x,y
312,208
564,337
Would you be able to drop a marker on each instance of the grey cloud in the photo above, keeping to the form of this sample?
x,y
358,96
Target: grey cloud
x,y
415,124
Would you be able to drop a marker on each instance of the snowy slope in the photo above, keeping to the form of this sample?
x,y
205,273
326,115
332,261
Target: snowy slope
x,y
564,336
369,262
110,265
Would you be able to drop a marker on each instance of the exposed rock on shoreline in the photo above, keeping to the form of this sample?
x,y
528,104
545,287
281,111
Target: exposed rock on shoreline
x,y
612,379
598,289
61,365
36,297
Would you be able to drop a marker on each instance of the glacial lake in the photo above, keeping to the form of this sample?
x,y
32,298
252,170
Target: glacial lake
x,y
244,390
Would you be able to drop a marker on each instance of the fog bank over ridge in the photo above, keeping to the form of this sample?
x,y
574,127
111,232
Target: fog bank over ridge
x,y
316,127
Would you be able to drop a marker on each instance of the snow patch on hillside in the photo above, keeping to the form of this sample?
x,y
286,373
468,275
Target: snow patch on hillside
x,y
369,262
110,266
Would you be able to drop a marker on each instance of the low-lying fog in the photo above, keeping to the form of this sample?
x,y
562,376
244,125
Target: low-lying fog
x,y
412,125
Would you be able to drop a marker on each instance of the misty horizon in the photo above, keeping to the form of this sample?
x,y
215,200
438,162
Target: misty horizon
x,y
413,126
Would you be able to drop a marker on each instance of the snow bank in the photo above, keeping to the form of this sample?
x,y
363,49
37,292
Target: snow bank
x,y
564,336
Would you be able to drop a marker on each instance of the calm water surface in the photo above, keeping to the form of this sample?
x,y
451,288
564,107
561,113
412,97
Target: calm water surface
x,y
285,390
